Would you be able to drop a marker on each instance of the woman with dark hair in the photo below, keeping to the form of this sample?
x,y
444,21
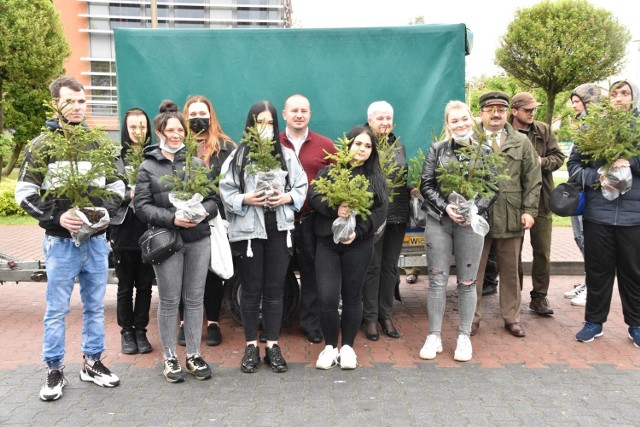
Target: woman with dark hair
x,y
125,230
260,234
341,267
215,147
183,273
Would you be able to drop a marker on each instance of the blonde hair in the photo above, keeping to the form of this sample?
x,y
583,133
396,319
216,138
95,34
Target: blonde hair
x,y
453,105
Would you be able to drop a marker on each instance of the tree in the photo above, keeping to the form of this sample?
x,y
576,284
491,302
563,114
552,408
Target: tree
x,y
32,49
557,45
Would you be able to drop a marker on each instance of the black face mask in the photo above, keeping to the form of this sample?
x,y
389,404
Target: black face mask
x,y
199,125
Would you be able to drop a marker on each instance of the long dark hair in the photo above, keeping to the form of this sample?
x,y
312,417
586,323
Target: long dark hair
x,y
125,139
371,166
243,149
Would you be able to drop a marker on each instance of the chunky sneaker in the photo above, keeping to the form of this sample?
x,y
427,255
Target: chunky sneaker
x,y
53,385
98,374
251,359
589,331
634,335
328,358
431,347
172,371
464,350
574,292
274,359
128,343
581,298
348,358
197,367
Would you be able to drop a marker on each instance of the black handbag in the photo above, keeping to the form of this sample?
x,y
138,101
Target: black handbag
x,y
568,198
158,244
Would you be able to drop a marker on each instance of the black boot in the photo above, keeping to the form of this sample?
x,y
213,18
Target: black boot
x,y
128,340
144,346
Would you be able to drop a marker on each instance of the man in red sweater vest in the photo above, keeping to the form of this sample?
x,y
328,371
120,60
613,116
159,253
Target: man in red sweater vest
x,y
310,149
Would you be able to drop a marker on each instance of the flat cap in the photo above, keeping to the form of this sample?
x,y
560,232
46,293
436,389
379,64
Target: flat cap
x,y
494,98
524,100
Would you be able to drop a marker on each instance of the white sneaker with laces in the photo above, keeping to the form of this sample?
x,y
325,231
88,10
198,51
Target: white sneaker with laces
x,y
328,358
464,350
98,374
575,291
348,358
581,298
53,385
431,347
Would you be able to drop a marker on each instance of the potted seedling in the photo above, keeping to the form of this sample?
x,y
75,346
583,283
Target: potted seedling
x,y
264,164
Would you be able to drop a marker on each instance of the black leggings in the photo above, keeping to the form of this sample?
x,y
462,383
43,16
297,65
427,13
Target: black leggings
x,y
340,271
263,279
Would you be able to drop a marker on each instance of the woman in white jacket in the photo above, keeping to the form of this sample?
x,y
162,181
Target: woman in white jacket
x,y
260,234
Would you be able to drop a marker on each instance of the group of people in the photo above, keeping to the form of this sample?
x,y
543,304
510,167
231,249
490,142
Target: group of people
x,y
268,229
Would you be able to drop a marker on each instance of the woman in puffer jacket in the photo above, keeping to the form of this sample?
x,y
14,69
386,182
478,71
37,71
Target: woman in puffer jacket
x,y
183,273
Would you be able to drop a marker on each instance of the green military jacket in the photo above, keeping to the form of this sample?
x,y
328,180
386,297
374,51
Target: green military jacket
x,y
521,192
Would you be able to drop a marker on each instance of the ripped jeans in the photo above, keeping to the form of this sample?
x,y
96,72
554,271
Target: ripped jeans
x,y
441,240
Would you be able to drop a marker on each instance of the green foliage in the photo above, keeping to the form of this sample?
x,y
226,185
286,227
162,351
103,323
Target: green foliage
x,y
608,133
31,55
260,151
8,205
557,45
195,176
74,147
134,158
395,175
340,186
415,168
474,174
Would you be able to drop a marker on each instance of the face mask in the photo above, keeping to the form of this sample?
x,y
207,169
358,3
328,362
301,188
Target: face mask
x,y
266,132
199,125
163,146
460,139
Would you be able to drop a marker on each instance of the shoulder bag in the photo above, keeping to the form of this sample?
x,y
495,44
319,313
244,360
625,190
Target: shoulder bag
x,y
568,198
158,244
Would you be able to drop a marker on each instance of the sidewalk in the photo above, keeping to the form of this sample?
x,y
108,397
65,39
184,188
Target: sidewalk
x,y
546,378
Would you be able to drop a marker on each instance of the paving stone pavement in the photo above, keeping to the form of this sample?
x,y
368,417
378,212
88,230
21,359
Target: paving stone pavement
x,y
546,378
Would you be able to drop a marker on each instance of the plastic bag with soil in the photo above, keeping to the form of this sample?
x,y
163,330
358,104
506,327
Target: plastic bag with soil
x,y
618,178
94,220
469,211
191,209
343,227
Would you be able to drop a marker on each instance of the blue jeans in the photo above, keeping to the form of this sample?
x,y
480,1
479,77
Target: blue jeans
x,y
64,262
442,239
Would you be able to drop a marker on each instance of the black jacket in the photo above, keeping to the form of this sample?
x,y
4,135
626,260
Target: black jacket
x,y
365,229
152,194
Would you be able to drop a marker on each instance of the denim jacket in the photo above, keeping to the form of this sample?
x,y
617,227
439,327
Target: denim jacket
x,y
246,222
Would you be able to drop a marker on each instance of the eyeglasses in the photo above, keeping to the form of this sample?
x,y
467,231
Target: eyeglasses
x,y
499,110
528,111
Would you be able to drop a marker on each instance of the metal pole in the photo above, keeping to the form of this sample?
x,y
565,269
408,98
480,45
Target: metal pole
x,y
154,13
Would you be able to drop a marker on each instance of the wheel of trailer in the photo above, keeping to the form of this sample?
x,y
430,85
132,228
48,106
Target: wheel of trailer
x,y
233,287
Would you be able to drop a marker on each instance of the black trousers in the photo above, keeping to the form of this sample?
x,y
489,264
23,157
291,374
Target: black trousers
x,y
382,275
262,278
304,244
611,251
133,274
340,271
213,296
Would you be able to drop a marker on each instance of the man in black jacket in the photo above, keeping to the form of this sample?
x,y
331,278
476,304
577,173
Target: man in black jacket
x,y
65,259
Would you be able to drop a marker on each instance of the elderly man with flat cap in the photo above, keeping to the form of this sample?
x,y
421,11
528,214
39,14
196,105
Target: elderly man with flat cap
x,y
550,157
513,211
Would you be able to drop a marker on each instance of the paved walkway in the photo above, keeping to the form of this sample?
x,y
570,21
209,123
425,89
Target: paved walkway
x,y
546,378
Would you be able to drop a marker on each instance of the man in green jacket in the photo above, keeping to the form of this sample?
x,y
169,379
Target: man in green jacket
x,y
550,157
513,211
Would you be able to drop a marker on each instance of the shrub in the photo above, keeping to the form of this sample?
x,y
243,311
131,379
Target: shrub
x,y
8,205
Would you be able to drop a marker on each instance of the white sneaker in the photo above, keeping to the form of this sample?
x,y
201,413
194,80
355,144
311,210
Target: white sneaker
x,y
464,350
348,358
431,346
328,358
98,374
575,291
581,298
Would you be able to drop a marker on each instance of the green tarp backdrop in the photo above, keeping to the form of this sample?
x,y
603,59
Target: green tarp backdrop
x,y
417,69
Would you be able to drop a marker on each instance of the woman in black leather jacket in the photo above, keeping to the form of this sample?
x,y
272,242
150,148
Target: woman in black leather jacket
x,y
448,232
183,273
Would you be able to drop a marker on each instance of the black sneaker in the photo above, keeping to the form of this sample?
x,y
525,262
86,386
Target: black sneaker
x,y
197,367
274,359
98,374
181,340
251,359
144,346
172,371
53,385
128,342
214,336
